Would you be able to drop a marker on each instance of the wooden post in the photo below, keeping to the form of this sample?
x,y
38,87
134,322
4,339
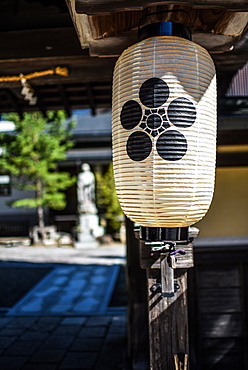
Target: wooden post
x,y
168,323
168,316
138,337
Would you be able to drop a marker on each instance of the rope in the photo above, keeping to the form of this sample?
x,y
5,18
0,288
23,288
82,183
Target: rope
x,y
55,71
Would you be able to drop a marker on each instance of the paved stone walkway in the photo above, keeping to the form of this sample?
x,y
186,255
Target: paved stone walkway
x,y
71,290
65,321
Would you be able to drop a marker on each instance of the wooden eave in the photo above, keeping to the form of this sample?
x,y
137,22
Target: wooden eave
x,y
103,7
54,35
108,27
43,42
88,84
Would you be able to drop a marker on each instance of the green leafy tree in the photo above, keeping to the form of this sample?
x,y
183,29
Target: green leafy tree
x,y
106,199
31,154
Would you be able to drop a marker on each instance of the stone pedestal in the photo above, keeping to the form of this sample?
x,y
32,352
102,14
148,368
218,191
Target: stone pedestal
x,y
89,230
46,235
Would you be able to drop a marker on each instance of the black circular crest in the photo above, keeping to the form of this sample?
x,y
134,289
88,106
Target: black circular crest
x,y
154,92
131,114
171,145
139,146
182,112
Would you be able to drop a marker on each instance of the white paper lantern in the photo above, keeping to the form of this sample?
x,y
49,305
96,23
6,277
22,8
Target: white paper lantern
x,y
164,131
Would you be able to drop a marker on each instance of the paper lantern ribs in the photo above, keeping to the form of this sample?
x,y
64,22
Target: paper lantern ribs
x,y
164,131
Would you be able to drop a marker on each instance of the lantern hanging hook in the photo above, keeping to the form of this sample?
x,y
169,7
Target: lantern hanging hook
x,y
168,252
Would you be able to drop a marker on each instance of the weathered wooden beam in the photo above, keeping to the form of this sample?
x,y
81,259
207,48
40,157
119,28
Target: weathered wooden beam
x,y
37,43
83,58
211,21
64,100
82,67
232,148
221,250
232,137
232,159
81,75
230,61
113,28
91,99
81,70
114,45
22,19
103,7
168,322
138,335
168,315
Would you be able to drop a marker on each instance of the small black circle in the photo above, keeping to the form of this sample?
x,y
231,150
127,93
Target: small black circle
x,y
182,112
154,121
139,146
171,145
154,92
131,114
154,133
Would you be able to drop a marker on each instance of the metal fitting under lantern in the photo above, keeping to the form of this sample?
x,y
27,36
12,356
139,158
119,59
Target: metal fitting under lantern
x,y
164,131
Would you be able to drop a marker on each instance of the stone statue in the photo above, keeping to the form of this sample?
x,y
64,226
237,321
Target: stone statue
x,y
86,191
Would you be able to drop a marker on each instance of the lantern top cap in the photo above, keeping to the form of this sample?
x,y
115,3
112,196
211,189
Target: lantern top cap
x,y
164,29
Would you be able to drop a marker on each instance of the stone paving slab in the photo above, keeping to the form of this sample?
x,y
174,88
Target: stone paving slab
x,y
90,345
65,321
70,290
